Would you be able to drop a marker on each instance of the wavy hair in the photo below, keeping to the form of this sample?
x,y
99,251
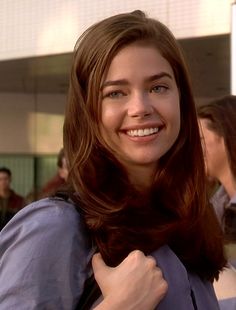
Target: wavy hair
x,y
175,209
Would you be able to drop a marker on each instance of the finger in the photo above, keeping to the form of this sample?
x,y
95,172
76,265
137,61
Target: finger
x,y
151,261
98,262
136,255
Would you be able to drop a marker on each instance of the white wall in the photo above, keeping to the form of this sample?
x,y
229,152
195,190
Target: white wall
x,y
33,27
31,124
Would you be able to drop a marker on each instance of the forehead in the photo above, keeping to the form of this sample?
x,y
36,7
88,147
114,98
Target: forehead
x,y
204,124
4,175
205,131
135,55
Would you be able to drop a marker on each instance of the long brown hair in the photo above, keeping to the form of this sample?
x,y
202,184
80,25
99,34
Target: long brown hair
x,y
175,209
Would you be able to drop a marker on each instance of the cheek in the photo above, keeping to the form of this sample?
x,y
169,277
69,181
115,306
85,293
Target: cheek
x,y
106,123
210,151
106,128
169,109
105,120
110,118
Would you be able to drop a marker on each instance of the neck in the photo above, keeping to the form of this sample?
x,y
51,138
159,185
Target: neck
x,y
141,177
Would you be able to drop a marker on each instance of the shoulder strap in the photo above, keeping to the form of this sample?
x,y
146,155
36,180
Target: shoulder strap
x,y
90,294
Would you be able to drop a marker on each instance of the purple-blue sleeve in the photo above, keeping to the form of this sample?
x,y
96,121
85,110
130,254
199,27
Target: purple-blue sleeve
x,y
44,258
228,304
186,291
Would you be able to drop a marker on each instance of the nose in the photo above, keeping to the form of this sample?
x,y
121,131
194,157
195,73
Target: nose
x,y
140,106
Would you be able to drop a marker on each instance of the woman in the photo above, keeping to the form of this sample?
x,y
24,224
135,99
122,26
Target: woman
x,y
130,132
217,126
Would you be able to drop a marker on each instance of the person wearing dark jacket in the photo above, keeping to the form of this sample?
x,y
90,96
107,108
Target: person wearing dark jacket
x,y
10,202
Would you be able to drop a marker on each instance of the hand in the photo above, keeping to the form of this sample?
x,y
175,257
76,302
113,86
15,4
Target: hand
x,y
137,283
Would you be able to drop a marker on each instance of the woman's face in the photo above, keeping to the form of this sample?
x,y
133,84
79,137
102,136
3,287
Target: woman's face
x,y
213,150
140,118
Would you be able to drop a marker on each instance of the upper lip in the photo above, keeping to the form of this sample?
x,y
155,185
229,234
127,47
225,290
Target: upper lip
x,y
143,126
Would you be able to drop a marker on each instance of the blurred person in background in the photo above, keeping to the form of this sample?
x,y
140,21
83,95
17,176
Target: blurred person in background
x,y
10,202
217,121
54,184
58,181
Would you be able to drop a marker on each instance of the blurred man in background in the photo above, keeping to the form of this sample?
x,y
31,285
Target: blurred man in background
x,y
10,202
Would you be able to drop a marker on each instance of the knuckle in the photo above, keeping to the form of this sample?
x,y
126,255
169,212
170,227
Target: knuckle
x,y
159,272
162,288
151,262
136,254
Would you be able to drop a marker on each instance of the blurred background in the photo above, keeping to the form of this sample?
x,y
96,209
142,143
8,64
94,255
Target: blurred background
x,y
37,40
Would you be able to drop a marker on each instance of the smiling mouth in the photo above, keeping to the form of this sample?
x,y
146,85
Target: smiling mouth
x,y
142,132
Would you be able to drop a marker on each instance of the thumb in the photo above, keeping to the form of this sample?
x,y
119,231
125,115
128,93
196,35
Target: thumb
x,y
101,273
98,263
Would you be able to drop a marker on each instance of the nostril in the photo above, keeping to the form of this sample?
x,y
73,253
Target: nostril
x,y
143,114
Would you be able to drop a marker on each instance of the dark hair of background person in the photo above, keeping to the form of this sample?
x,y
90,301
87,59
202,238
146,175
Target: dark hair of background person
x,y
121,219
221,114
60,157
5,170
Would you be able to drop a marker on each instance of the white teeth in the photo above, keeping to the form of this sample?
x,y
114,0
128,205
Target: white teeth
x,y
142,132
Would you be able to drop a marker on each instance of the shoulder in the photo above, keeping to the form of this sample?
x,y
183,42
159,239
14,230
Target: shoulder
x,y
220,197
219,200
50,217
49,242
49,228
50,210
16,200
228,303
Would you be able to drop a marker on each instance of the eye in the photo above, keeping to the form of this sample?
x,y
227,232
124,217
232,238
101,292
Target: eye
x,y
159,89
114,94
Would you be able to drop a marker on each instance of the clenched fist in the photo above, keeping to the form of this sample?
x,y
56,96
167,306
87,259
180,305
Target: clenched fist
x,y
137,283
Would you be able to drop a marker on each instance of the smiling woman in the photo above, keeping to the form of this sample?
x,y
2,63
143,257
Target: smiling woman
x,y
137,186
140,117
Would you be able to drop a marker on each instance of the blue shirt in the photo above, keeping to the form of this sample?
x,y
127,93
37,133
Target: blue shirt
x,y
45,259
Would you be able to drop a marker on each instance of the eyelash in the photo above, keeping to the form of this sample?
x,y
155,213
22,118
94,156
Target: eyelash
x,y
161,88
119,93
114,94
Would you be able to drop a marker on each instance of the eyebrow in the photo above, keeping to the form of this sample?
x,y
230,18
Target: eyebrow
x,y
125,82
